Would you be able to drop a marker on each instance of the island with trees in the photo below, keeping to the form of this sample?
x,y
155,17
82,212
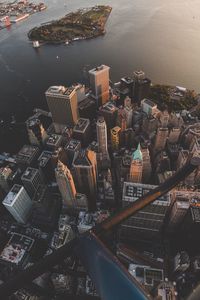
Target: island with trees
x,y
83,24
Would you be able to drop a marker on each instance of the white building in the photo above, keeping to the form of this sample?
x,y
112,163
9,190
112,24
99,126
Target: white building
x,y
18,203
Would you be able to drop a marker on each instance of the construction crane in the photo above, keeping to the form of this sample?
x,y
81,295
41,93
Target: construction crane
x,y
111,279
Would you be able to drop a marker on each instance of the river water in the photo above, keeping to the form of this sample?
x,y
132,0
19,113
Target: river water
x,y
161,37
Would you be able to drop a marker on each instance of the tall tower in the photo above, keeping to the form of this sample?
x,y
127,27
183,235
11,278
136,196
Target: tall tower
x,y
36,132
115,137
142,85
18,203
99,82
161,138
102,136
146,172
63,105
85,172
66,184
136,166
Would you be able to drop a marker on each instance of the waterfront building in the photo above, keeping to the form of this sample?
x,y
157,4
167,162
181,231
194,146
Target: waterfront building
x,y
85,174
147,222
142,85
82,131
136,167
163,117
36,132
63,105
31,179
18,203
66,185
99,82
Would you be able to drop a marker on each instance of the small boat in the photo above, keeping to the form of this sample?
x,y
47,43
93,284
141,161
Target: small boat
x,y
36,44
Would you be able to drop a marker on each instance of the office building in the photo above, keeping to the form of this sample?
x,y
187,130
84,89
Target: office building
x,y
27,155
99,82
122,118
174,135
71,149
148,222
36,132
5,173
115,137
31,179
102,136
63,105
163,118
160,139
126,87
82,131
109,112
85,172
18,203
128,112
146,165
66,185
178,212
136,167
54,141
149,107
87,108
142,85
181,161
45,210
80,92
45,166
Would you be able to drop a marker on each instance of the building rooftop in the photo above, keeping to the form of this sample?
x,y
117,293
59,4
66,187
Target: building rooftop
x,y
146,275
82,125
16,248
32,122
29,173
109,106
133,191
73,144
54,139
81,159
44,158
99,69
149,102
60,90
27,153
11,196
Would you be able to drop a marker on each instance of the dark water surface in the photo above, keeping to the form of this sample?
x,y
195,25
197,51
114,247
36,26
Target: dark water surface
x,y
162,37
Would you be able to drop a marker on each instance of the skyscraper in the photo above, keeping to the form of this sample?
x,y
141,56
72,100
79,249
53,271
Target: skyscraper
x,y
85,172
146,161
141,86
102,136
115,137
31,179
136,166
147,222
161,138
66,184
99,82
18,203
63,105
36,132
